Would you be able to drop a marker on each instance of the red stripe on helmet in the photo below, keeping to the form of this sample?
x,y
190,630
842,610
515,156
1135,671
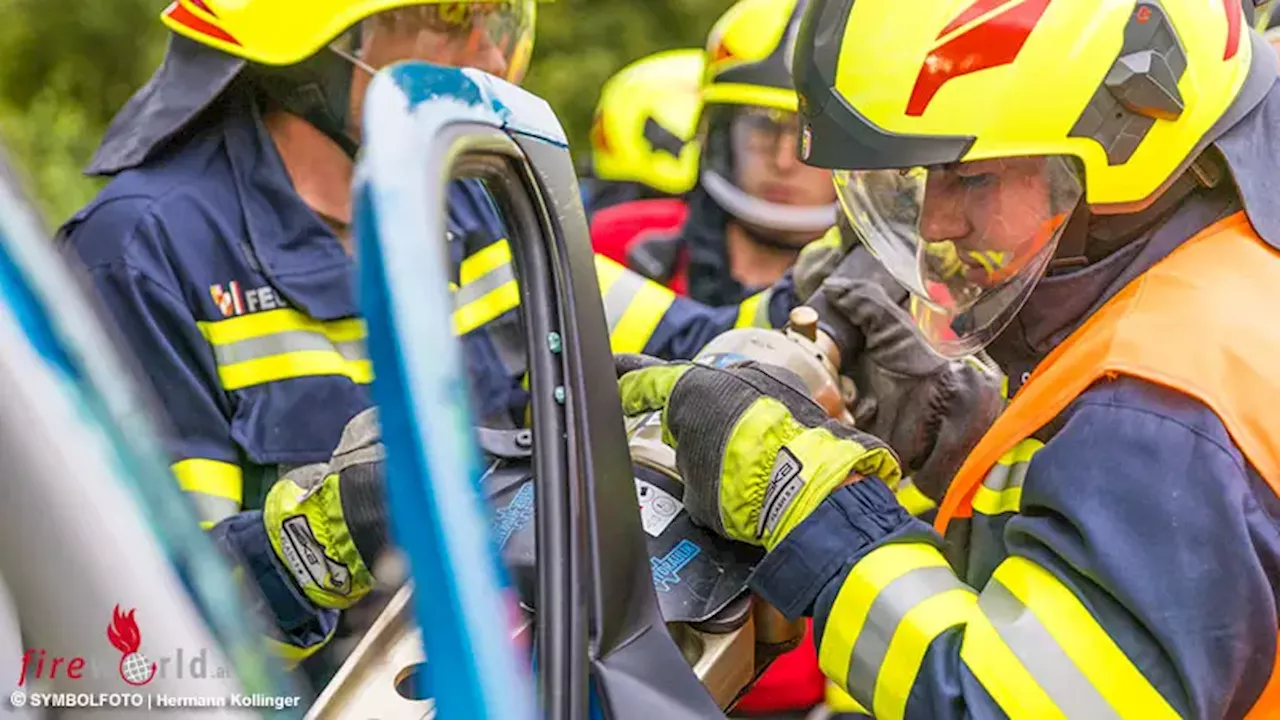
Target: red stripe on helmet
x,y
1234,13
599,138
971,13
992,43
181,15
200,4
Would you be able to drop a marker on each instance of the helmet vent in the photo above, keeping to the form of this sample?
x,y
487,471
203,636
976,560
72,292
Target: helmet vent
x,y
1140,88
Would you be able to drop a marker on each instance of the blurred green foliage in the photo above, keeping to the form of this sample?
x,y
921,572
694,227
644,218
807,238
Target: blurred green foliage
x,y
70,64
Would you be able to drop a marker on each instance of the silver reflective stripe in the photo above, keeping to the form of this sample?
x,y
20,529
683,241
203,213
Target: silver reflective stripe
x,y
1006,477
285,342
352,350
620,295
211,508
1041,655
484,285
892,603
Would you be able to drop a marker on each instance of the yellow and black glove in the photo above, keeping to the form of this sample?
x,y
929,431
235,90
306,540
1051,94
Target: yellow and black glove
x,y
327,523
756,454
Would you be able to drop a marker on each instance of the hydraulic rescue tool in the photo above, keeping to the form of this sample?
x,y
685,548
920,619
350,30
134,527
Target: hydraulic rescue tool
x,y
631,614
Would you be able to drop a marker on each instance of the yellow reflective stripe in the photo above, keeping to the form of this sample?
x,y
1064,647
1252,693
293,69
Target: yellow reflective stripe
x,y
762,310
1001,489
916,630
484,261
1022,452
1090,649
992,502
874,634
281,344
215,488
910,497
749,310
292,655
607,273
642,318
273,322
294,365
1005,678
211,477
634,305
830,240
487,308
837,700
487,288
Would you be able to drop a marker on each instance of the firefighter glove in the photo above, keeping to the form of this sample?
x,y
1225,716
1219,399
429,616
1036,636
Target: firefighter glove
x,y
929,409
327,522
757,455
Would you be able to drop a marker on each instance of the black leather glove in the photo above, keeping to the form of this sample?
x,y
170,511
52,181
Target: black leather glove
x,y
932,411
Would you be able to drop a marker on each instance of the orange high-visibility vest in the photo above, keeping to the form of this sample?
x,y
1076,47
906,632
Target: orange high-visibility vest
x,y
1204,322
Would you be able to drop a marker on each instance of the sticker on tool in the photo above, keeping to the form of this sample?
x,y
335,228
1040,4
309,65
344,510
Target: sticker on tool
x,y
515,516
658,508
666,569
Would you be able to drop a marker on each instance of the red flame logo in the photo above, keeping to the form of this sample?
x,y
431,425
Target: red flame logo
x,y
124,635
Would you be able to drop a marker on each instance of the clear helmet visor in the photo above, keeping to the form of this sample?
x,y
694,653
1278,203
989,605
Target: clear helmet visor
x,y
968,240
496,37
751,169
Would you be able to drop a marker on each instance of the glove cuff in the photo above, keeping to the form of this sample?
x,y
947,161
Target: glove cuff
x,y
309,533
243,538
825,461
843,528
362,491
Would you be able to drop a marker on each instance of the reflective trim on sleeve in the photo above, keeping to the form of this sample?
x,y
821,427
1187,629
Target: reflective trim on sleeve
x,y
839,701
754,311
1001,489
292,655
477,289
488,288
891,607
484,261
280,344
910,497
216,488
1039,652
634,305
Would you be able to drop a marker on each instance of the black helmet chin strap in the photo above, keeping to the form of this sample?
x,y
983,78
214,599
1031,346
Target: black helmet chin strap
x,y
1089,238
317,90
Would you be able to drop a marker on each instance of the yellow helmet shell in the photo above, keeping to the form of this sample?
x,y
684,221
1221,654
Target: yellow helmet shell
x,y
747,56
1130,88
280,32
645,122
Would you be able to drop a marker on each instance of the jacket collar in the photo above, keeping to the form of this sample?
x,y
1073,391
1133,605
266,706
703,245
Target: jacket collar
x,y
287,241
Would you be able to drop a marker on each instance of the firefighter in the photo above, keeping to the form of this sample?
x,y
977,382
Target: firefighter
x,y
755,205
643,158
1086,189
221,249
642,132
